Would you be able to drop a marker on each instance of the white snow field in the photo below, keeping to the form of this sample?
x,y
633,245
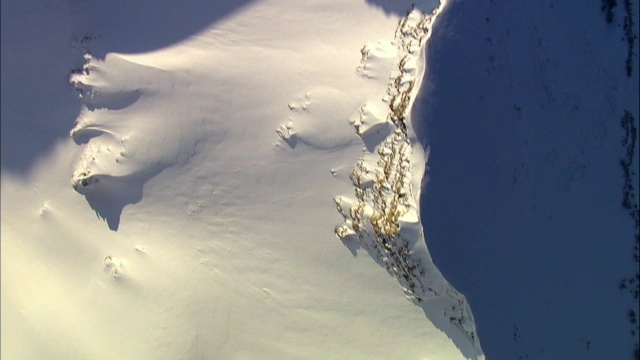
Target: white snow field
x,y
241,182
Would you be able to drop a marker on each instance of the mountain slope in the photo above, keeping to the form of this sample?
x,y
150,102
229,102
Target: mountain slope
x,y
192,212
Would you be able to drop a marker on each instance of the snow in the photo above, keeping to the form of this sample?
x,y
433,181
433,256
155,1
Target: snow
x,y
193,210
256,180
522,207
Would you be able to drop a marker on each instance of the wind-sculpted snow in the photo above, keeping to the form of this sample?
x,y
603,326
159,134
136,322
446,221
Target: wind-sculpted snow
x,y
126,139
309,122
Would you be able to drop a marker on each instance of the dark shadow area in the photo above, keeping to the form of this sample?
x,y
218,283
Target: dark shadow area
x,y
352,244
140,26
115,101
401,8
521,200
43,41
108,195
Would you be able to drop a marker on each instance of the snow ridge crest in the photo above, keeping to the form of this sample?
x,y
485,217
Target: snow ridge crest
x,y
383,216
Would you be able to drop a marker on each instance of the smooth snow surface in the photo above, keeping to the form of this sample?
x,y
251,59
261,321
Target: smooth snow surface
x,y
217,151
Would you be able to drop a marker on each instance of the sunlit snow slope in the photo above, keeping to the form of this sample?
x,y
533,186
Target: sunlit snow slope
x,y
241,182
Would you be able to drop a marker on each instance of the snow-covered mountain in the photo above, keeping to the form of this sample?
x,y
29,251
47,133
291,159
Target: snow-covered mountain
x,y
240,186
256,179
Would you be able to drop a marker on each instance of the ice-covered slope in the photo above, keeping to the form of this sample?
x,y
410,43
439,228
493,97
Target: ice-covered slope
x,y
523,208
193,212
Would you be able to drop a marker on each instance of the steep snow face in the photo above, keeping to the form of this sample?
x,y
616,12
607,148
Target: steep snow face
x,y
217,162
521,108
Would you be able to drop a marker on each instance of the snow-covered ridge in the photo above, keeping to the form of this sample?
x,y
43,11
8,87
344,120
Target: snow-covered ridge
x,y
384,196
383,217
